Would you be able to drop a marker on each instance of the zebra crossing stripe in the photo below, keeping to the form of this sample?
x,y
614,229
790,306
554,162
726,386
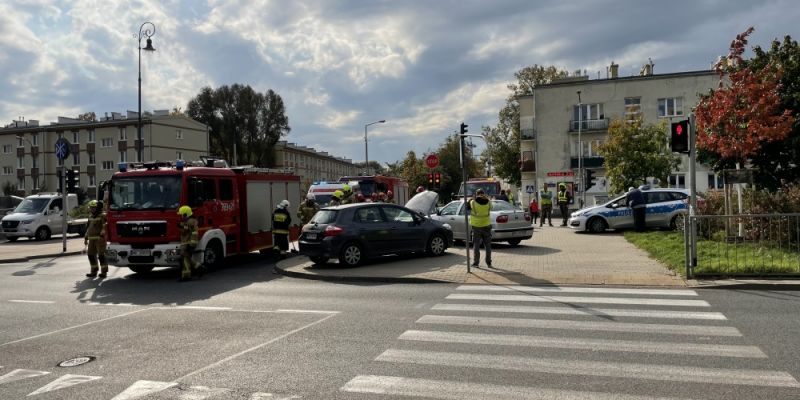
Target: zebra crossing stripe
x,y
63,382
699,330
141,389
452,390
201,392
585,344
578,299
678,373
19,374
568,289
598,312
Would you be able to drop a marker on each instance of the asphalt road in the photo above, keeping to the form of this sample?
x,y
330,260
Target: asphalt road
x,y
243,332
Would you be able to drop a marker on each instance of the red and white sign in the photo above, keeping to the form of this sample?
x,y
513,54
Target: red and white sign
x,y
561,173
432,161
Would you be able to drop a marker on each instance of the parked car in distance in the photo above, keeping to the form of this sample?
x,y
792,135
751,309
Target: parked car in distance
x,y
666,208
509,223
353,233
41,215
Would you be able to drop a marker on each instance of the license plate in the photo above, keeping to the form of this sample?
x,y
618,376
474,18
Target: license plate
x,y
519,233
311,236
140,252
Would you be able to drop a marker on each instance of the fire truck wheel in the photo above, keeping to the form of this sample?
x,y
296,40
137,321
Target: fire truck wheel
x,y
351,255
212,256
141,269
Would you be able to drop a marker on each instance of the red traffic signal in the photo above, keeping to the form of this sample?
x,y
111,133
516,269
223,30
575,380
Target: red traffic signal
x,y
437,178
430,178
679,140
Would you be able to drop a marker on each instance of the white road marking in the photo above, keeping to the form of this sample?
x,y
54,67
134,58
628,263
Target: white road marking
x,y
678,373
568,289
19,374
270,396
452,390
94,303
226,359
576,299
699,330
73,327
201,392
63,382
634,346
32,301
196,308
284,310
598,312
140,389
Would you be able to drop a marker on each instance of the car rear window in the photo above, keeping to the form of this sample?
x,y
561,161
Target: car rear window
x,y
502,206
325,216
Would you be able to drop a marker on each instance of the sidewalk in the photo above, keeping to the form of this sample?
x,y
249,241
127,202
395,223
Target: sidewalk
x,y
24,250
555,255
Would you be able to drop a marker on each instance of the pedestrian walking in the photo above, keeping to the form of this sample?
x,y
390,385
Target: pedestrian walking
x,y
281,220
95,240
307,209
547,205
534,207
635,200
479,221
564,198
188,229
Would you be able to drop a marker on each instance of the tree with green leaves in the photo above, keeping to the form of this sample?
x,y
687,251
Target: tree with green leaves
x,y
636,151
242,119
503,140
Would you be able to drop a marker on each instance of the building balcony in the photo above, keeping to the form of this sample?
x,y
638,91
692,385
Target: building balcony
x,y
527,166
589,125
527,134
588,162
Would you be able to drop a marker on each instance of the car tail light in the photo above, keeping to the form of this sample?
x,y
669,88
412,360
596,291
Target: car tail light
x,y
502,219
527,217
333,230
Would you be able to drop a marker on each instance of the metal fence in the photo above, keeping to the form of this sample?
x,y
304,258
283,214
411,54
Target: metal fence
x,y
743,245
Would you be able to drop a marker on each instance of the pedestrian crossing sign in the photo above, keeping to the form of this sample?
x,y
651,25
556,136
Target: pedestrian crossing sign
x,y
530,189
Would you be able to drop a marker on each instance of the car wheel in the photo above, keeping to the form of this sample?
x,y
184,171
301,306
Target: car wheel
x,y
514,242
677,222
351,255
12,238
319,260
596,225
212,256
43,233
141,269
436,245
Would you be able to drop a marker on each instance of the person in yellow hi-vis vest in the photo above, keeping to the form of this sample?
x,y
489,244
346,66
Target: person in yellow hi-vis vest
x,y
95,239
188,229
481,226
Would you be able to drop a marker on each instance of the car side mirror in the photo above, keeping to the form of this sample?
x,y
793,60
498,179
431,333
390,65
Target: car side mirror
x,y
614,205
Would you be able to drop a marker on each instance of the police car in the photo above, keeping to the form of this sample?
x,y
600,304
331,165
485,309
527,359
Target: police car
x,y
666,208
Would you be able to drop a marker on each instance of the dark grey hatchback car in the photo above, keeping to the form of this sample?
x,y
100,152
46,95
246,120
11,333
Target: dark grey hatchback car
x,y
355,232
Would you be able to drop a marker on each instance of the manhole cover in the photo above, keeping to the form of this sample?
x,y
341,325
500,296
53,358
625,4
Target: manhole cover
x,y
74,362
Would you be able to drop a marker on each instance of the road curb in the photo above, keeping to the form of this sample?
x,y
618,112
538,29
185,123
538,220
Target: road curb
x,y
38,256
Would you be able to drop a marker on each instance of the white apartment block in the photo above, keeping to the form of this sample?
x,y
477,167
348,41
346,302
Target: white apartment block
x,y
29,162
312,165
549,126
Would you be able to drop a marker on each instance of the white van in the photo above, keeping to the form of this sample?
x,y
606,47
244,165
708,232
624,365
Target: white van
x,y
38,216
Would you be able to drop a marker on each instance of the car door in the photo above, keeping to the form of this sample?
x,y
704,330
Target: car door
x,y
658,210
53,217
620,216
373,229
407,234
452,215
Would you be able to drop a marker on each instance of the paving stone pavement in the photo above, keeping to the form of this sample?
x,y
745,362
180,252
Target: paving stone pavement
x,y
555,255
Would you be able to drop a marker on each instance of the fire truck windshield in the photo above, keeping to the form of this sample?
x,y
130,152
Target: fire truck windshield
x,y
146,192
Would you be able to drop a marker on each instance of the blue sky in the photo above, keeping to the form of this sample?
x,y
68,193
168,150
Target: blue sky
x,y
423,66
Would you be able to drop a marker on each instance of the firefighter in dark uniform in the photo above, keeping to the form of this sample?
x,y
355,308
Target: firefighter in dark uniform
x,y
347,193
95,239
188,228
307,209
281,220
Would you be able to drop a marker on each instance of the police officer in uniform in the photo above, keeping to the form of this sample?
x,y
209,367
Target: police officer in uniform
x,y
307,209
188,228
563,203
547,205
95,239
281,220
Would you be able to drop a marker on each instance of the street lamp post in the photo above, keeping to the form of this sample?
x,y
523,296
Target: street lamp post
x,y
580,154
366,147
146,30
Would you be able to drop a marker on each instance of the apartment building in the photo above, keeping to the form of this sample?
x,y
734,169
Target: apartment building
x,y
312,165
551,122
29,161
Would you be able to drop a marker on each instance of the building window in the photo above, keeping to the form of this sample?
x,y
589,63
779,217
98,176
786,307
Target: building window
x,y
588,112
6,149
179,155
179,134
633,108
35,139
106,142
76,158
670,107
20,162
123,133
35,180
21,184
108,165
76,137
92,159
35,163
591,148
8,170
123,156
91,136
677,181
92,180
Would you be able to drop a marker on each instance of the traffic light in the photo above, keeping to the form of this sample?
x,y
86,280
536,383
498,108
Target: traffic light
x,y
60,175
430,178
589,178
437,179
679,141
464,128
73,179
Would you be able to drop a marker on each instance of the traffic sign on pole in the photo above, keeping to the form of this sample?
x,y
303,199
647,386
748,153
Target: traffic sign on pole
x,y
62,149
432,161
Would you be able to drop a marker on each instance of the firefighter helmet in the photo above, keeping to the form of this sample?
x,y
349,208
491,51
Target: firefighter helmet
x,y
338,194
185,211
311,196
93,204
346,188
284,204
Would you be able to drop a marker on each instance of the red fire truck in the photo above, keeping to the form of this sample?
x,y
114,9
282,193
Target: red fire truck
x,y
489,185
369,184
233,207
